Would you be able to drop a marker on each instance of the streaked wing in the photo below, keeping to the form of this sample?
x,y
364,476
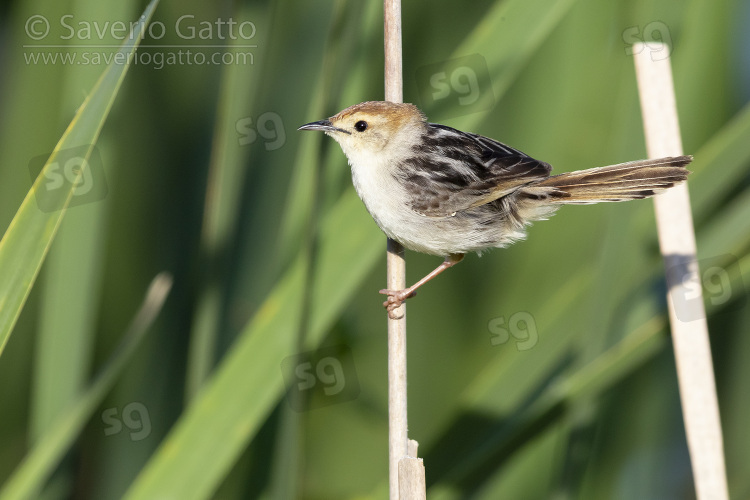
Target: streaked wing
x,y
452,171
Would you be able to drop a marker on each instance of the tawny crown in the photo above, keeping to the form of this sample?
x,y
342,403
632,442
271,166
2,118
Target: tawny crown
x,y
388,115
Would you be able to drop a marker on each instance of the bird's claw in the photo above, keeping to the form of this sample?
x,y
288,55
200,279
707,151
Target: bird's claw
x,y
395,299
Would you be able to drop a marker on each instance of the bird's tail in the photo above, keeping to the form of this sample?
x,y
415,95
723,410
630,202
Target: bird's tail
x,y
626,181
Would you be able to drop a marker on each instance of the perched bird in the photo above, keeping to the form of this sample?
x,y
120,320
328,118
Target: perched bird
x,y
440,191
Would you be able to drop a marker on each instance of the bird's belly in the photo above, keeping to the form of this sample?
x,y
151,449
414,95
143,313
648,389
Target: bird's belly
x,y
469,231
466,231
387,203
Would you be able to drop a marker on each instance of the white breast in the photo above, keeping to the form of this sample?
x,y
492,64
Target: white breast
x,y
381,192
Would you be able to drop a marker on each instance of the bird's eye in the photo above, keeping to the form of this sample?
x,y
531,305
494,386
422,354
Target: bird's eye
x,y
360,126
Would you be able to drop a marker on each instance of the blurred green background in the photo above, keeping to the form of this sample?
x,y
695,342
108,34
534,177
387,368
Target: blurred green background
x,y
541,371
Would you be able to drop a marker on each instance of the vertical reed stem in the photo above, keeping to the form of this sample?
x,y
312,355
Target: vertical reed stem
x,y
677,242
396,279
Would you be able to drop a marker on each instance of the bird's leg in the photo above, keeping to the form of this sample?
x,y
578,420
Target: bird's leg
x,y
397,297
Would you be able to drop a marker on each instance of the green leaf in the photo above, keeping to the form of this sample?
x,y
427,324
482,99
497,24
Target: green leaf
x,y
27,240
56,441
227,171
507,39
246,386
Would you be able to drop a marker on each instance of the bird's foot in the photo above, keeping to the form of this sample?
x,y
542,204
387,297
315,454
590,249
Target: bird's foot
x,y
395,299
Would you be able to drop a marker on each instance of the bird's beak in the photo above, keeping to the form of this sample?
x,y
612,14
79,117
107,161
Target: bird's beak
x,y
323,125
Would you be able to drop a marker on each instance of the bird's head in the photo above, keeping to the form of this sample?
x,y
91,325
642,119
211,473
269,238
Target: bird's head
x,y
373,128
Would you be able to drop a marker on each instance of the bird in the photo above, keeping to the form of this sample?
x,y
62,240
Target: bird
x,y
444,192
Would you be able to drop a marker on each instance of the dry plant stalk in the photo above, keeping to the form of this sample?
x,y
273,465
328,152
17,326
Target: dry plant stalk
x,y
412,484
677,242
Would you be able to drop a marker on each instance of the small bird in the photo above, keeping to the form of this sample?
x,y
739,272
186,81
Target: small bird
x,y
440,191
